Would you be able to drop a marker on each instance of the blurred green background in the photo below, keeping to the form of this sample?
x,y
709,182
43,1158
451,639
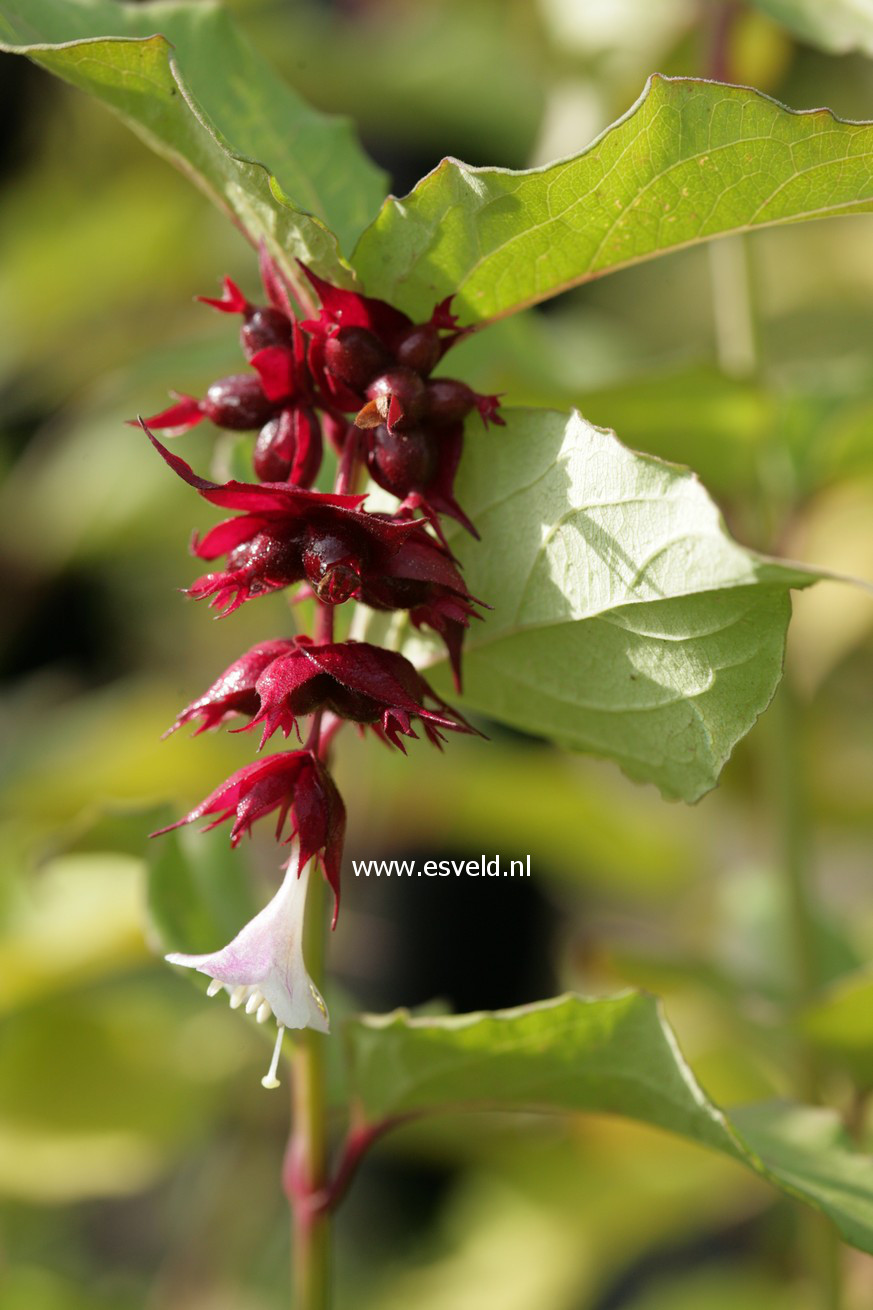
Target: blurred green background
x,y
138,1154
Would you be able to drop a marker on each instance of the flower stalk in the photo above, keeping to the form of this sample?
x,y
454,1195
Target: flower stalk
x,y
359,377
306,1162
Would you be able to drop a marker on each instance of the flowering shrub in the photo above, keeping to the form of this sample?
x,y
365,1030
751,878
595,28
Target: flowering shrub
x,y
615,614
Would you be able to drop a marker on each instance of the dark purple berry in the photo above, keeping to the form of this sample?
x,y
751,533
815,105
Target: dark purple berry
x,y
265,327
338,584
289,448
399,395
419,348
268,561
402,461
272,457
355,356
351,704
448,401
238,403
332,562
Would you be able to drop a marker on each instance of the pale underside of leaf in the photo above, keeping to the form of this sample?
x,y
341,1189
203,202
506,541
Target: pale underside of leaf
x,y
182,77
691,160
626,622
612,1055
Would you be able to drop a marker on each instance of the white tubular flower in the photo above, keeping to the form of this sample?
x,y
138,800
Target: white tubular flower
x,y
263,966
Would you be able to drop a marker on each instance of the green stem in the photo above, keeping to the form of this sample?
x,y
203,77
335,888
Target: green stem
x,y
306,1175
818,1238
737,344
736,333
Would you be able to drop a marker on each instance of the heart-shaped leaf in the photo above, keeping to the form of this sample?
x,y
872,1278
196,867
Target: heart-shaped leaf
x,y
626,622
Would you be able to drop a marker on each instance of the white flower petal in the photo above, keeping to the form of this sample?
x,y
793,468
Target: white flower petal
x,y
267,954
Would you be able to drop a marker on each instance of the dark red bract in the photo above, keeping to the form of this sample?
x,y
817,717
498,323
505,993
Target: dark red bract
x,y
234,691
295,783
354,680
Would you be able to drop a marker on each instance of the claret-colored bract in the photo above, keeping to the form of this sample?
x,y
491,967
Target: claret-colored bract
x,y
297,784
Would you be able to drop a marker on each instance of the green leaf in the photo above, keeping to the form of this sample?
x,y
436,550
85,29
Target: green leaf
x,y
615,1055
689,161
198,891
626,622
838,26
840,1023
185,80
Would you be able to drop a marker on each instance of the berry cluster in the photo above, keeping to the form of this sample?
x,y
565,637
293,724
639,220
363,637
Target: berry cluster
x,y
360,374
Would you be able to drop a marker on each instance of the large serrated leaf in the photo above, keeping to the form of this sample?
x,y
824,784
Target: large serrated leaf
x,y
184,79
690,161
626,622
613,1055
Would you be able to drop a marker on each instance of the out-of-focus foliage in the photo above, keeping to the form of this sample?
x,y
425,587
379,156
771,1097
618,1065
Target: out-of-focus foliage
x,y
131,1119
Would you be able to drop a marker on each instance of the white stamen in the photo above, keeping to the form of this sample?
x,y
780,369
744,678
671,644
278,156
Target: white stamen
x,y
264,1012
237,997
254,1001
214,987
270,1080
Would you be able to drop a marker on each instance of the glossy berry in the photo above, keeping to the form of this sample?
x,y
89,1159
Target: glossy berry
x,y
289,448
419,348
399,396
355,356
238,403
402,461
332,562
448,401
266,327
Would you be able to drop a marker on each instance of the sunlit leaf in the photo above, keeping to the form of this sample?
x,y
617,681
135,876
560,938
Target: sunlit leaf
x,y
691,160
626,622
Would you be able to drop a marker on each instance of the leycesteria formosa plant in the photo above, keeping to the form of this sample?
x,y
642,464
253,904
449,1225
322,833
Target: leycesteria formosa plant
x,y
366,368
531,566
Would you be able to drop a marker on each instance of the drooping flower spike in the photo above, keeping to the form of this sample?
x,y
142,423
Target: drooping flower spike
x,y
354,680
295,783
264,968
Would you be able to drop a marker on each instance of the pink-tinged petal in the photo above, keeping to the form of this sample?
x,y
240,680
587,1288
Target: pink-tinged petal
x,y
274,283
277,371
178,418
266,958
232,299
350,309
